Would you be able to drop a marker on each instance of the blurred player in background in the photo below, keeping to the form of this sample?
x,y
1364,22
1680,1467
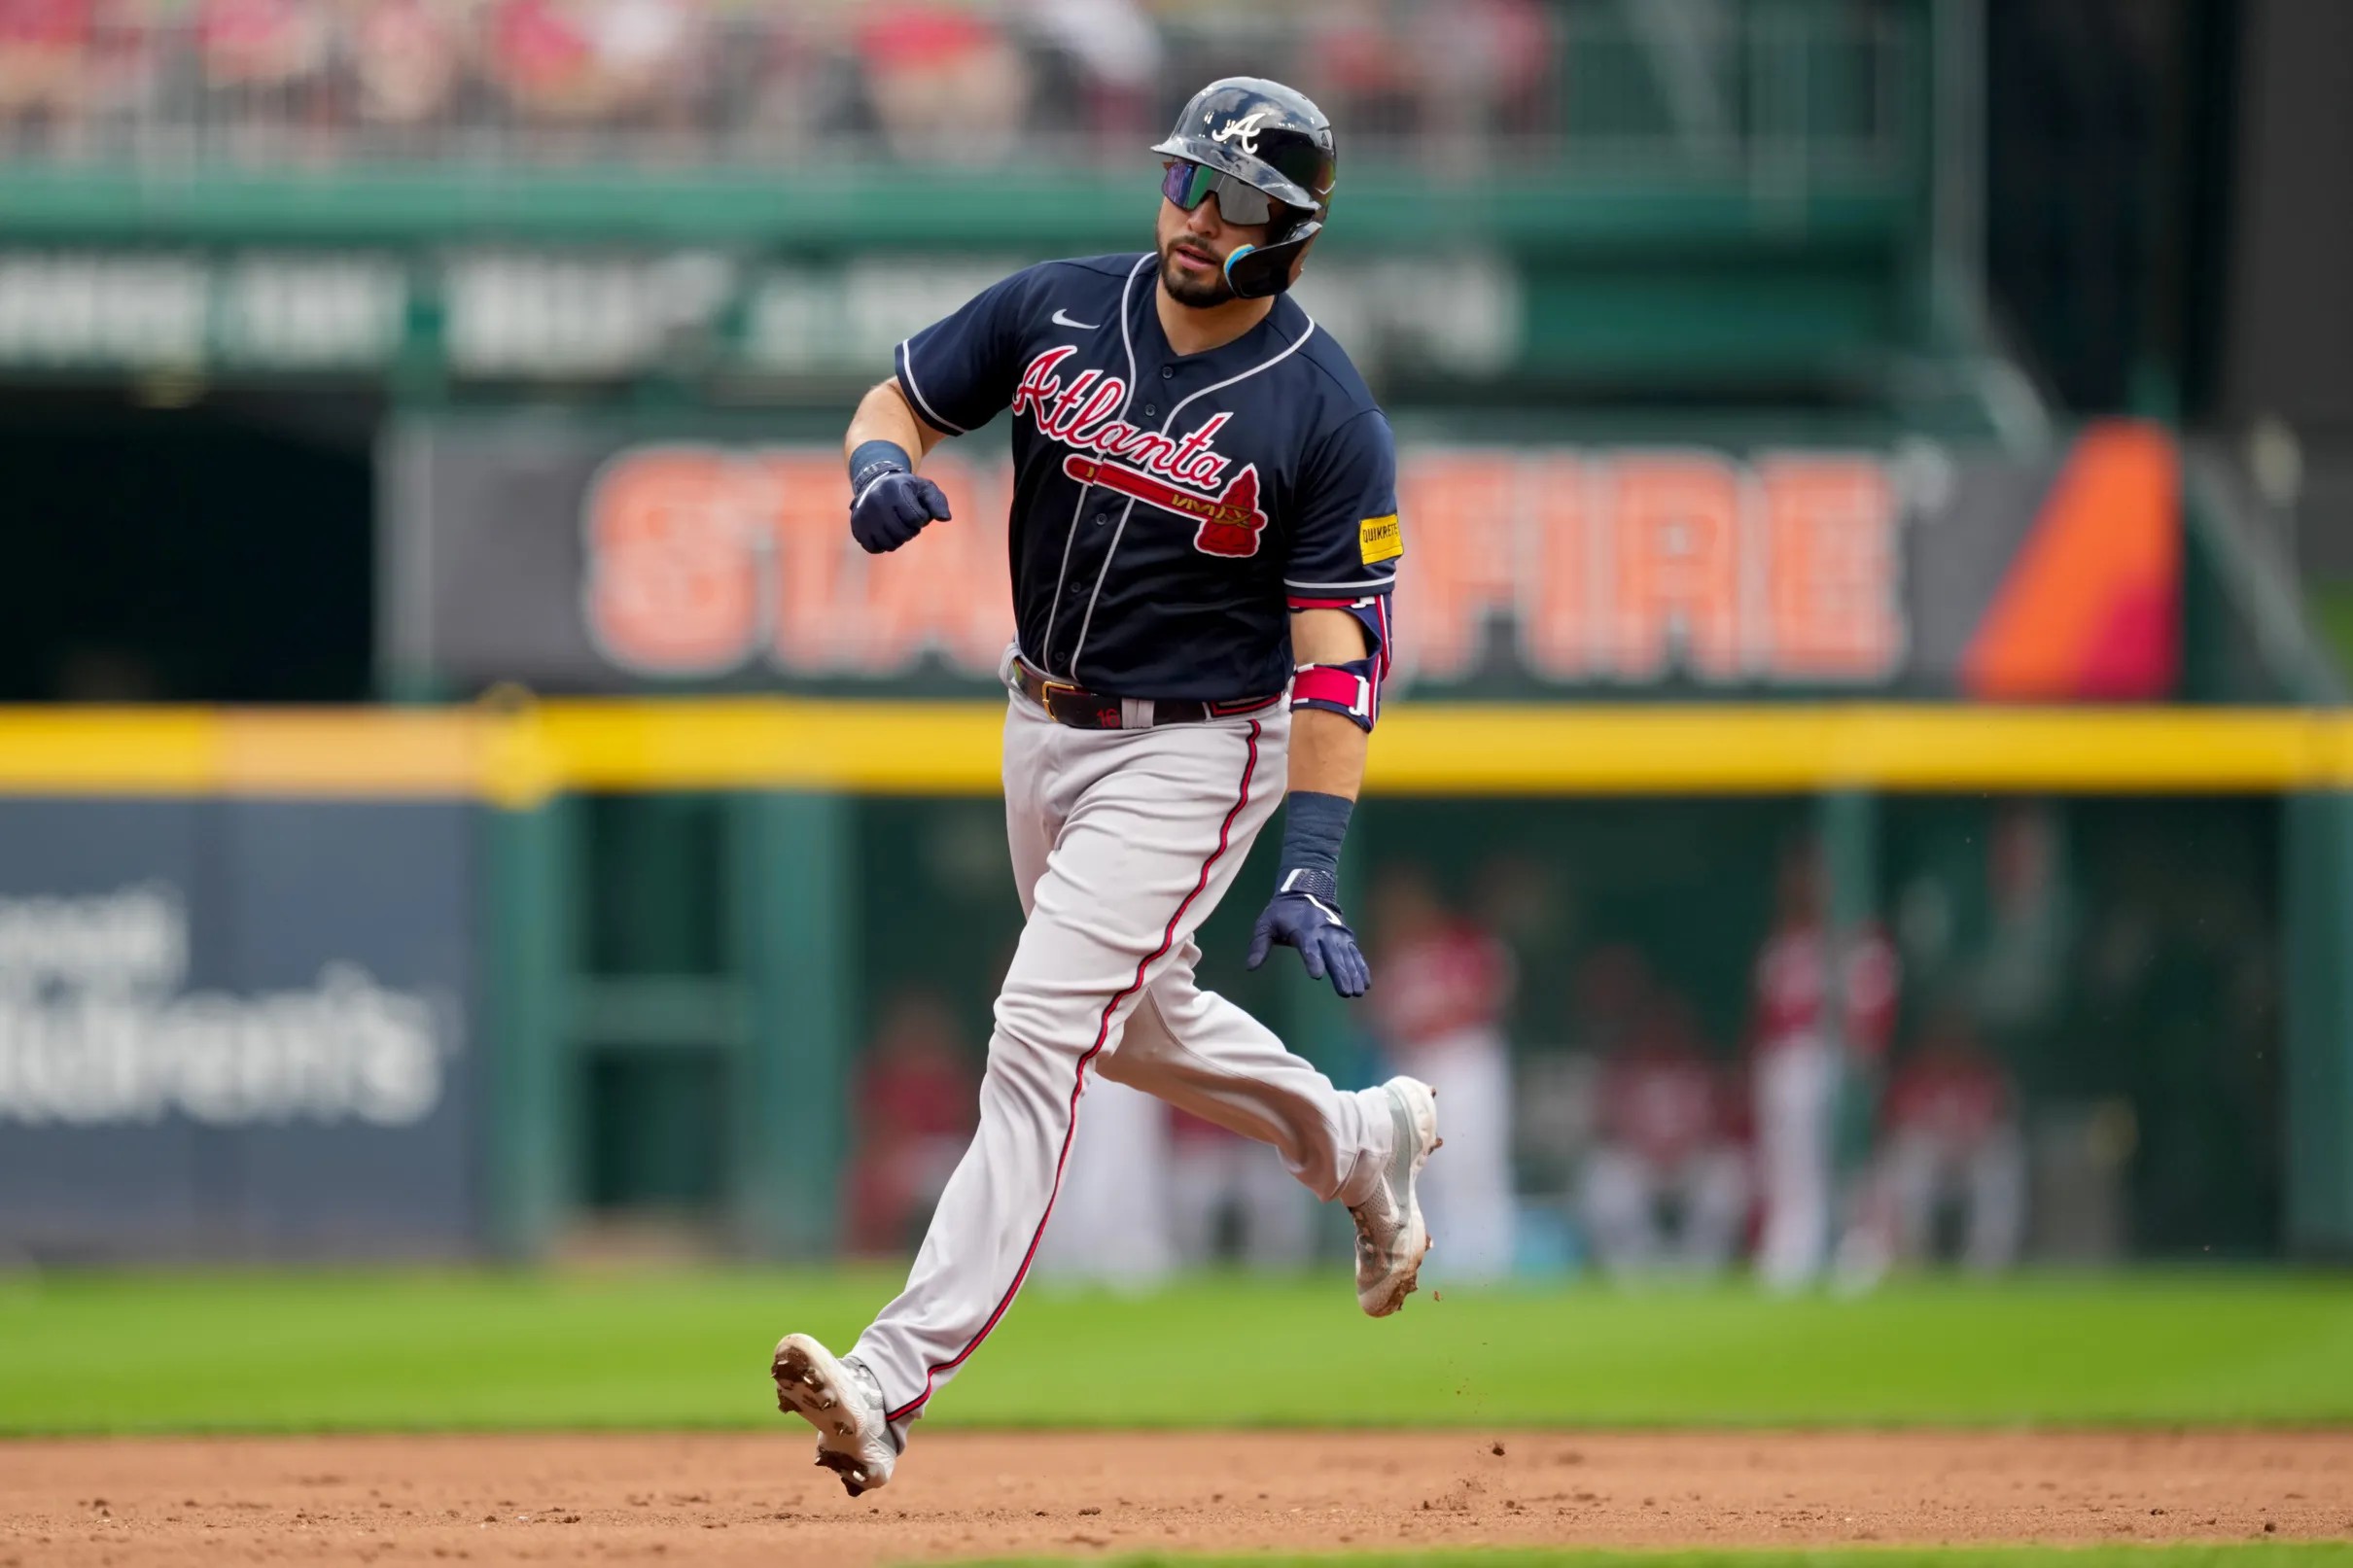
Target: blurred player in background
x,y
1112,1226
1805,1060
1666,1185
1445,983
1952,1146
913,1099
1218,1178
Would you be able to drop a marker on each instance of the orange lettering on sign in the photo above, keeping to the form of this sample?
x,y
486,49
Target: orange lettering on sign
x,y
840,610
1676,586
671,587
980,619
1556,589
1463,523
1830,553
948,590
815,572
699,560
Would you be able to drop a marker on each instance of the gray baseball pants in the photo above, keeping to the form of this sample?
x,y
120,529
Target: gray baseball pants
x,y
1122,843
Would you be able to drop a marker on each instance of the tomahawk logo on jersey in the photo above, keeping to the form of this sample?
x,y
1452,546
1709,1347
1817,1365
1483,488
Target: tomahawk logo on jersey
x,y
1168,509
1147,466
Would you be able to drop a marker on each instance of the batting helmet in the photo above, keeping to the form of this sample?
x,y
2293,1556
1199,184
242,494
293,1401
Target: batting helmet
x,y
1272,140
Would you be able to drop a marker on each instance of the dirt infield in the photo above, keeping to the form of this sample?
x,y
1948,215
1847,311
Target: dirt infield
x,y
738,1499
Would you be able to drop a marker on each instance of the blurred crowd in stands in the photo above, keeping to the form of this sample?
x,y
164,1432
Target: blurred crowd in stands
x,y
954,81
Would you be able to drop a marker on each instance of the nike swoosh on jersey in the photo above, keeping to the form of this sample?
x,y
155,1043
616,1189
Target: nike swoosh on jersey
x,y
1061,320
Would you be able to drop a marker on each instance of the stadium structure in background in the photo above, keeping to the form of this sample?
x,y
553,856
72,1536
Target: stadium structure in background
x,y
484,347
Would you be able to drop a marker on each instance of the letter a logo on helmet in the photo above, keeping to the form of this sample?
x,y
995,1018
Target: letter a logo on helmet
x,y
1243,132
1273,139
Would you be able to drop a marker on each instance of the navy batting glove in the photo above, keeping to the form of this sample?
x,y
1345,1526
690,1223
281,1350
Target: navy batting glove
x,y
1304,914
890,506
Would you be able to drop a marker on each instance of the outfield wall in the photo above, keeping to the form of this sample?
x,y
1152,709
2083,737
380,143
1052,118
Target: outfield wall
x,y
386,898
235,1027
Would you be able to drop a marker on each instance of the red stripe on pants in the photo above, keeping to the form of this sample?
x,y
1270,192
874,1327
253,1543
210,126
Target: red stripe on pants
x,y
1102,1030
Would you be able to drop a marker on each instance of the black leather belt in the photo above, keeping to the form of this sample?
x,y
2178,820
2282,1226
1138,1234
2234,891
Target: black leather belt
x,y
1081,708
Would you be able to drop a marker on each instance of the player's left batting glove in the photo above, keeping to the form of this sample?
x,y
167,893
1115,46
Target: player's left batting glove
x,y
1305,911
889,504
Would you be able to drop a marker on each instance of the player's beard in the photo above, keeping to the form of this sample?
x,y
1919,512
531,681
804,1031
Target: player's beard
x,y
1199,294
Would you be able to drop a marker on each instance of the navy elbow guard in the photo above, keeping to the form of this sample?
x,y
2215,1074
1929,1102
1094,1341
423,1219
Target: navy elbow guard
x,y
1353,689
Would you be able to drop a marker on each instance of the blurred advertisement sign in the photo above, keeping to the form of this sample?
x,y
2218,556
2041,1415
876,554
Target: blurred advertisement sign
x,y
97,1028
1455,315
553,559
522,314
573,313
705,562
235,1027
538,314
272,311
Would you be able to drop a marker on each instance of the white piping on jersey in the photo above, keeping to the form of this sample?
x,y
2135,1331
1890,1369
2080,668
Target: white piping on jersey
x,y
1367,582
1120,532
1071,535
906,368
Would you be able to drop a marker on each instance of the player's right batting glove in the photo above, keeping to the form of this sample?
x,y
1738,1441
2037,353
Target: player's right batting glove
x,y
1305,911
888,504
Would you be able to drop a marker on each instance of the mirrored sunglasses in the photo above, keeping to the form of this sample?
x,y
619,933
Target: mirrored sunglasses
x,y
1188,184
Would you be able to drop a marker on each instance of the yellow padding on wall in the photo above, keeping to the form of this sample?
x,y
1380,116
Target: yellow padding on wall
x,y
109,751
306,753
516,755
879,747
354,752
1761,751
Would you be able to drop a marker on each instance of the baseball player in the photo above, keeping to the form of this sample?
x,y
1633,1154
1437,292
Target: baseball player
x,y
1204,536
1804,1059
1952,1138
1449,982
1666,1146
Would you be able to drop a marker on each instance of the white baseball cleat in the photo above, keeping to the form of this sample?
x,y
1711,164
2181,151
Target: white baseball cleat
x,y
844,1403
1391,1239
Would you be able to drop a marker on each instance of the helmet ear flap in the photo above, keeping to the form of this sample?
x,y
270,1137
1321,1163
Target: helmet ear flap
x,y
1256,271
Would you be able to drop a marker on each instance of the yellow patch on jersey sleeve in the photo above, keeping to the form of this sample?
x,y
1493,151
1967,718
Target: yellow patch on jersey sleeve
x,y
1379,538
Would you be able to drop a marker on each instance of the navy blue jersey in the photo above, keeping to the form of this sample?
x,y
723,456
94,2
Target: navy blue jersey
x,y
1168,510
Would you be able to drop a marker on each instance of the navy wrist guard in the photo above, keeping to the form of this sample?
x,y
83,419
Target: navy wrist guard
x,y
1313,826
872,459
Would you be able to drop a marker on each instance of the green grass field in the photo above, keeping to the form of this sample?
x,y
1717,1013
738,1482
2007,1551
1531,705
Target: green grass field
x,y
407,1350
